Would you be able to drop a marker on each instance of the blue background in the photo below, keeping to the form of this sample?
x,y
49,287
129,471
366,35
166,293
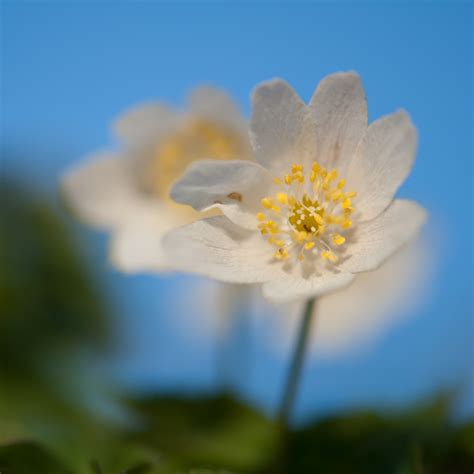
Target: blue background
x,y
69,68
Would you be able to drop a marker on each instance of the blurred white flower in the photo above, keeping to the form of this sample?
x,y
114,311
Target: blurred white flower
x,y
316,208
352,317
126,192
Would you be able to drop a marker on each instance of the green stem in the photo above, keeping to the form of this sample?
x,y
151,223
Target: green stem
x,y
296,366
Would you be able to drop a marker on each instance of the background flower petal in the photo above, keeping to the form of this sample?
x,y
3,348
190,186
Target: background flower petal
x,y
101,190
211,103
143,125
136,247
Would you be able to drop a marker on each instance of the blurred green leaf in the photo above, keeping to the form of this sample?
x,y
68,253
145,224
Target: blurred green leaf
x,y
48,304
29,458
419,441
207,471
218,432
221,436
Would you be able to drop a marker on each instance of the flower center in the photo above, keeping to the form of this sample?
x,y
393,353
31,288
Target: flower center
x,y
196,139
309,217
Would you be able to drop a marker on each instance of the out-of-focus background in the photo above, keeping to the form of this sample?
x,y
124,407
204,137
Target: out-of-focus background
x,y
69,68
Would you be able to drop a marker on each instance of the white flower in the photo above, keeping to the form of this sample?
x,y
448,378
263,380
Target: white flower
x,y
352,317
127,192
318,205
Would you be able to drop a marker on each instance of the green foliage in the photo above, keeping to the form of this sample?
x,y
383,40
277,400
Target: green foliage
x,y
215,432
420,441
28,458
47,302
222,436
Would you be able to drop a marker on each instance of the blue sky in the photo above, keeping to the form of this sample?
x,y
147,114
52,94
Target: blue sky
x,y
69,68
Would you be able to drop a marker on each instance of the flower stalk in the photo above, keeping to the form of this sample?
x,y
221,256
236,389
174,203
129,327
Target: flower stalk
x,y
294,374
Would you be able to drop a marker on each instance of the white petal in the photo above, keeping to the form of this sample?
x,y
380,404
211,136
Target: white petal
x,y
217,248
339,109
280,131
236,187
101,190
213,104
352,317
291,289
382,162
376,240
374,301
136,246
146,124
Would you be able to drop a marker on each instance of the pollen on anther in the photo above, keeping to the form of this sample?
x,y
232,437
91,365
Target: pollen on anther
x,y
308,218
341,184
346,203
346,224
338,239
328,255
281,254
282,198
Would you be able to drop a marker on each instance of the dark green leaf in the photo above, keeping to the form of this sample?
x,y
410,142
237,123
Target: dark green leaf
x,y
29,458
217,432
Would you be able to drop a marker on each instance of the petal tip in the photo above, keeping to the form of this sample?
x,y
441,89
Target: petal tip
x,y
271,88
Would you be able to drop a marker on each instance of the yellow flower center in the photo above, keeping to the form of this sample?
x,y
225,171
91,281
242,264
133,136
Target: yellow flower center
x,y
309,216
196,139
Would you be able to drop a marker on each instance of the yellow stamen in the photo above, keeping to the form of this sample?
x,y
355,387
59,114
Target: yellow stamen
x,y
314,219
328,255
341,184
346,204
282,198
338,239
281,254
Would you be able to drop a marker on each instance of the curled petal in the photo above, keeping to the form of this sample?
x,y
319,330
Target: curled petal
x,y
236,187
